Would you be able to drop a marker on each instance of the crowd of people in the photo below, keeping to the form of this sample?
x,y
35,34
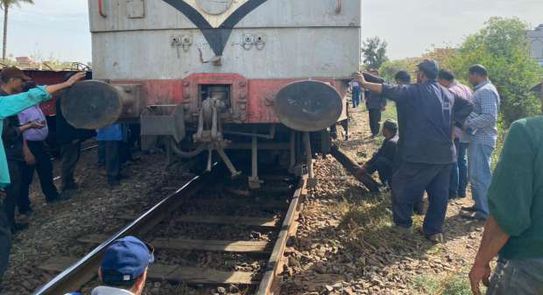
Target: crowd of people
x,y
24,151
443,140
447,134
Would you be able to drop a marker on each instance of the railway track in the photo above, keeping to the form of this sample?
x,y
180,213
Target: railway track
x,y
210,234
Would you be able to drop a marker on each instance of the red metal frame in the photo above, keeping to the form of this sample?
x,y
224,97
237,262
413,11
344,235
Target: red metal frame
x,y
47,78
252,100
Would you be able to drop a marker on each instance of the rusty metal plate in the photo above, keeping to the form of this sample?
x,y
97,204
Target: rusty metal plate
x,y
91,105
308,106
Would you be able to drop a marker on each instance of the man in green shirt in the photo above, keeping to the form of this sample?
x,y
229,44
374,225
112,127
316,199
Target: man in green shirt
x,y
514,230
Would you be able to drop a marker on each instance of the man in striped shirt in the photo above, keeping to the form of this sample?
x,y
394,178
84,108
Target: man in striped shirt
x,y
459,173
483,125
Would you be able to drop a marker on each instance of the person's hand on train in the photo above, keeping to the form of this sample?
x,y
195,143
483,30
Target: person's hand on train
x,y
359,78
76,78
66,84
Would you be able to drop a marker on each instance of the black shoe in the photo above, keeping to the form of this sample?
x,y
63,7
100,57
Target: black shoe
x,y
469,209
59,198
474,216
27,212
70,186
435,238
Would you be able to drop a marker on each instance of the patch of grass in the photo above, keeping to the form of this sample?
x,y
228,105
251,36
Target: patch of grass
x,y
390,112
426,285
457,284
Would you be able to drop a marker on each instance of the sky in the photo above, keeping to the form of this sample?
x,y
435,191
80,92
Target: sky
x,y
412,27
59,29
50,29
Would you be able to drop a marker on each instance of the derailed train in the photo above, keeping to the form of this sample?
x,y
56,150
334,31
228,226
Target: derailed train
x,y
214,76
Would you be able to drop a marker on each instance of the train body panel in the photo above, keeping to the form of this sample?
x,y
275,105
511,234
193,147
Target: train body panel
x,y
278,39
116,15
209,75
162,44
286,53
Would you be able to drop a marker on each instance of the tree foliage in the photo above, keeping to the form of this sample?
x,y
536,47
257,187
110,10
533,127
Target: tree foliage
x,y
375,52
503,48
5,5
389,69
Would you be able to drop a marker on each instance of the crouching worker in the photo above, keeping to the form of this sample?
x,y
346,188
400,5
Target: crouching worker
x,y
382,161
124,267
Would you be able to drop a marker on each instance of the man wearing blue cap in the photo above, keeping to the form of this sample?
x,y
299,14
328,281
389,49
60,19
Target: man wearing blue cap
x,y
427,113
124,267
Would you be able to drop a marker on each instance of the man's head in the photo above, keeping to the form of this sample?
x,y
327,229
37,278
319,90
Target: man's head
x,y
13,80
374,72
477,74
428,69
445,78
402,78
125,264
390,128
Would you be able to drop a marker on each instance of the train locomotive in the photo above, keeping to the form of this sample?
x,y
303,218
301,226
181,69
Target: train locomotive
x,y
216,77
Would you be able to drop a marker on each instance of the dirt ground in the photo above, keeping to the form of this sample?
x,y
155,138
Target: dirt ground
x,y
346,244
93,208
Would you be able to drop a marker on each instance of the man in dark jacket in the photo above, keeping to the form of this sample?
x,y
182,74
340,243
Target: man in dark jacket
x,y
383,161
69,140
13,143
375,103
429,112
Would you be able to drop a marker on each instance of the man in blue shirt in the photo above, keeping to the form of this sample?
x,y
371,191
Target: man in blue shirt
x,y
483,123
428,114
112,136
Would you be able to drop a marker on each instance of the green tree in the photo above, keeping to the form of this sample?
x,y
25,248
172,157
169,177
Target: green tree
x,y
503,47
6,5
375,52
389,68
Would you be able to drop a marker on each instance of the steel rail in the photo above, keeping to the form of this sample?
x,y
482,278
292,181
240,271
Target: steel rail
x,y
86,268
275,264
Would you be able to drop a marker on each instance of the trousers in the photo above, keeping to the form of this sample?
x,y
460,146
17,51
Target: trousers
x,y
375,121
408,185
44,169
520,277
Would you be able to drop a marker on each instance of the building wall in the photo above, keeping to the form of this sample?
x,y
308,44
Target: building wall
x,y
536,39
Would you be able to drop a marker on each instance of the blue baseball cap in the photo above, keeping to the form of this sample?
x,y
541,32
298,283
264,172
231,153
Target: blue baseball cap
x,y
125,260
